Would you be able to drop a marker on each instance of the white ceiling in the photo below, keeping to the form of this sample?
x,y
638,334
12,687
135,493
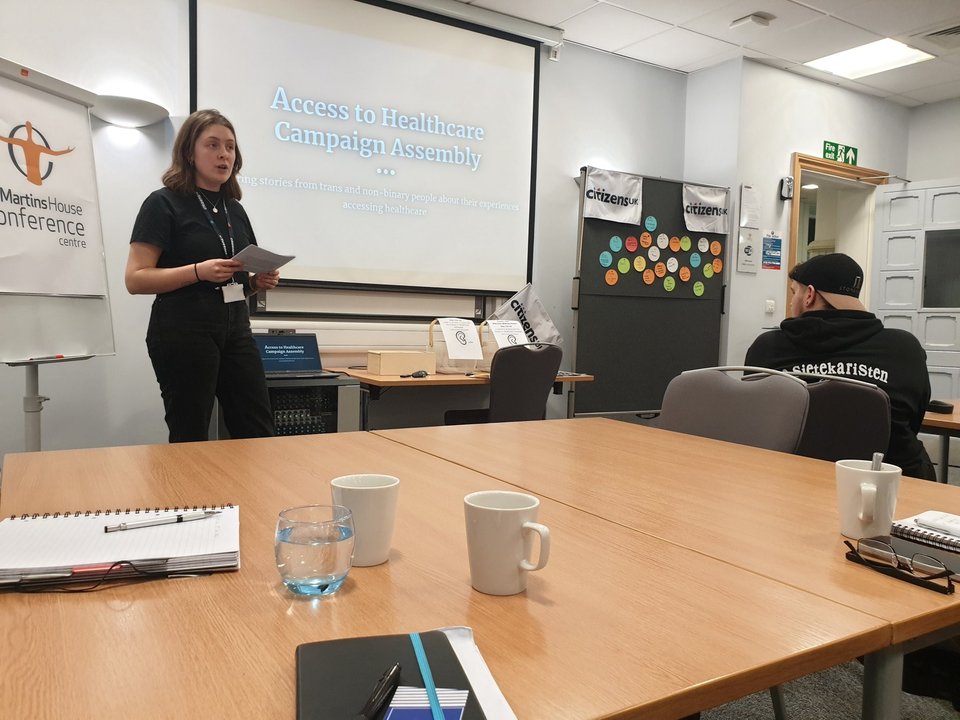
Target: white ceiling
x,y
688,35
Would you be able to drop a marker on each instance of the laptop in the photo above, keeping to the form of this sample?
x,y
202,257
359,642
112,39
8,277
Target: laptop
x,y
291,356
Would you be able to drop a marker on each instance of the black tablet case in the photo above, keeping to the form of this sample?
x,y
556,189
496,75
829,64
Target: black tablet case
x,y
335,677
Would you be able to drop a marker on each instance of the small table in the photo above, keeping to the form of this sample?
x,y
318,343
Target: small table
x,y
946,426
372,385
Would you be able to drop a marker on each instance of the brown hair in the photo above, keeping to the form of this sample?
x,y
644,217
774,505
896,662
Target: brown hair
x,y
180,176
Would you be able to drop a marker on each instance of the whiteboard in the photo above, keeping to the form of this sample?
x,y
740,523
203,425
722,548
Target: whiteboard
x,y
53,278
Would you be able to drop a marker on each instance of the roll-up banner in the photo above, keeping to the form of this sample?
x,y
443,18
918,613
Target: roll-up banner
x,y
50,237
705,209
611,195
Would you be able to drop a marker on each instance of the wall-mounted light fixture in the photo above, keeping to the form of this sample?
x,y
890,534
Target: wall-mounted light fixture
x,y
127,112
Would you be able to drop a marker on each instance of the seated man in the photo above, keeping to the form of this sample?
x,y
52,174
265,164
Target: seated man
x,y
831,333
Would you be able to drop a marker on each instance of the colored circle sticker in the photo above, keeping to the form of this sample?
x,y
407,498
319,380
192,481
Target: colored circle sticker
x,y
611,277
623,265
646,240
675,243
669,283
648,277
616,243
698,288
684,273
660,270
708,271
639,263
653,253
630,244
718,266
650,223
716,248
672,264
695,260
662,241
703,244
606,259
685,243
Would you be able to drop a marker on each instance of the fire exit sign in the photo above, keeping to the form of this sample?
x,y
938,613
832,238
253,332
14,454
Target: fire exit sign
x,y
839,152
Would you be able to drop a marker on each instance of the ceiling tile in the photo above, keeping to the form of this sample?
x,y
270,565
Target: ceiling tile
x,y
711,60
717,23
936,93
610,28
676,12
919,75
676,47
897,17
545,12
813,40
901,100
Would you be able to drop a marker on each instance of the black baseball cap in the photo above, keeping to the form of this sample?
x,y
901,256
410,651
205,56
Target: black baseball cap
x,y
838,277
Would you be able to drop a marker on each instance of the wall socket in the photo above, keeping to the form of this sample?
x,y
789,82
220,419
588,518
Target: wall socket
x,y
769,306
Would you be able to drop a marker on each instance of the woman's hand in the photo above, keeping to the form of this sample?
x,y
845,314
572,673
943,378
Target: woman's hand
x,y
218,270
264,280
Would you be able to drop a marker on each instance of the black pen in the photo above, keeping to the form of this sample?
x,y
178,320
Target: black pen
x,y
381,695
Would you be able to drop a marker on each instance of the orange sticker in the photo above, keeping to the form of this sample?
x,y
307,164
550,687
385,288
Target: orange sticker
x,y
639,263
718,266
611,277
675,243
716,248
684,273
646,240
648,277
660,269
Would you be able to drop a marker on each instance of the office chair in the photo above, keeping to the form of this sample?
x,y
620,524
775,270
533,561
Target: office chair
x,y
766,409
520,380
847,419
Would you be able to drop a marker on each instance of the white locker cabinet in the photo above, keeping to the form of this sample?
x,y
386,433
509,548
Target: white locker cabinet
x,y
901,250
899,290
939,330
944,382
943,208
899,319
903,210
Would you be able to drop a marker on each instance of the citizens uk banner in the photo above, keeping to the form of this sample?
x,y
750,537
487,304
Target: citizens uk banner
x,y
706,209
612,195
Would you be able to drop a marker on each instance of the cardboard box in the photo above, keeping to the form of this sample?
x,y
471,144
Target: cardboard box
x,y
400,362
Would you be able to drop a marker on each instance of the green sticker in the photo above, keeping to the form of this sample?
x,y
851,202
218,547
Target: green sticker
x,y
708,271
623,265
698,288
669,283
685,243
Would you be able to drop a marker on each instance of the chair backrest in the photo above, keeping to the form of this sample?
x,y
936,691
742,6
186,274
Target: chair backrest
x,y
520,380
847,420
766,410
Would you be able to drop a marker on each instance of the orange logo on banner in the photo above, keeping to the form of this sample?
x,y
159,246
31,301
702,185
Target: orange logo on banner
x,y
611,277
684,273
715,247
32,150
718,266
648,277
646,240
675,243
660,269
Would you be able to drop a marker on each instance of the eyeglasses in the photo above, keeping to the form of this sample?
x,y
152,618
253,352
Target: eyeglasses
x,y
920,569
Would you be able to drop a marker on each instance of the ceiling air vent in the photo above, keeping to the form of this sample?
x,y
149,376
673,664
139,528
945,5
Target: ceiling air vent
x,y
947,38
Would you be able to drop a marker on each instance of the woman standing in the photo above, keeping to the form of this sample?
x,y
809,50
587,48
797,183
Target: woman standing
x,y
199,337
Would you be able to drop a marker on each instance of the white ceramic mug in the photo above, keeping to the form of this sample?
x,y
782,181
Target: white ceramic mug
x,y
500,530
866,499
373,501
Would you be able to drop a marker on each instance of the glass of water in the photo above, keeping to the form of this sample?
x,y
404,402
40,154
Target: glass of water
x,y
314,548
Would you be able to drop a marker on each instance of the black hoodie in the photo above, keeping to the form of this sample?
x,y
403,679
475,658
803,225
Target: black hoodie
x,y
855,344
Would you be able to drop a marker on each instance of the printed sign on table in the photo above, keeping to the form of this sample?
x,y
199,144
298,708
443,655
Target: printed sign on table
x,y
463,342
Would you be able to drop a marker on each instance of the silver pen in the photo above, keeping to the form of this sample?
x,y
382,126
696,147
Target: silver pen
x,y
170,520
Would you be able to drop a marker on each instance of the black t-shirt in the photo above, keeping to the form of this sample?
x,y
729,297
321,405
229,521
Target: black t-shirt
x,y
176,223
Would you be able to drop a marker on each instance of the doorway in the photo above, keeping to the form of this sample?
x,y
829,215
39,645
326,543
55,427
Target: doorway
x,y
832,211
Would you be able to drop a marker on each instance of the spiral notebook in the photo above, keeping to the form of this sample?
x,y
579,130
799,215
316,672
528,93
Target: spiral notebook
x,y
912,528
62,548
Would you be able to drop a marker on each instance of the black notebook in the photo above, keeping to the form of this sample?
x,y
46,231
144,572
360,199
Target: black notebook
x,y
906,549
335,678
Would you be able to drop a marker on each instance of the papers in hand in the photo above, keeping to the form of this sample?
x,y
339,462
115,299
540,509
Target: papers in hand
x,y
255,259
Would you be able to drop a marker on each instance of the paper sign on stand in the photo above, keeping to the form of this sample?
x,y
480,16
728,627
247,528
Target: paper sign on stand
x,y
507,332
461,338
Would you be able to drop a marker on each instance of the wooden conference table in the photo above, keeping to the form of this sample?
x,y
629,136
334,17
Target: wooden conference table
x,y
372,384
770,513
620,624
946,426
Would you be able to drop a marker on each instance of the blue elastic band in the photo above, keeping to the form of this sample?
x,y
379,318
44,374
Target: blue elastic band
x,y
427,676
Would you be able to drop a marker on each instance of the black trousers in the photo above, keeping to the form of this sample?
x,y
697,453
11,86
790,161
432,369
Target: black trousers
x,y
201,348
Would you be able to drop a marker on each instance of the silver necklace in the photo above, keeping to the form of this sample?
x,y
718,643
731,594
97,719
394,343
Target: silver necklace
x,y
212,205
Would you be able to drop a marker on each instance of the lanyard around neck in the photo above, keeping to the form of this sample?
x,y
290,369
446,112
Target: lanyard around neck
x,y
226,215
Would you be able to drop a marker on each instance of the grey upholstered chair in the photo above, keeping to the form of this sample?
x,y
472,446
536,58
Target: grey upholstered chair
x,y
520,380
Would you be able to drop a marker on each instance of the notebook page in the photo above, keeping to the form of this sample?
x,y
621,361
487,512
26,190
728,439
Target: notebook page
x,y
69,542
